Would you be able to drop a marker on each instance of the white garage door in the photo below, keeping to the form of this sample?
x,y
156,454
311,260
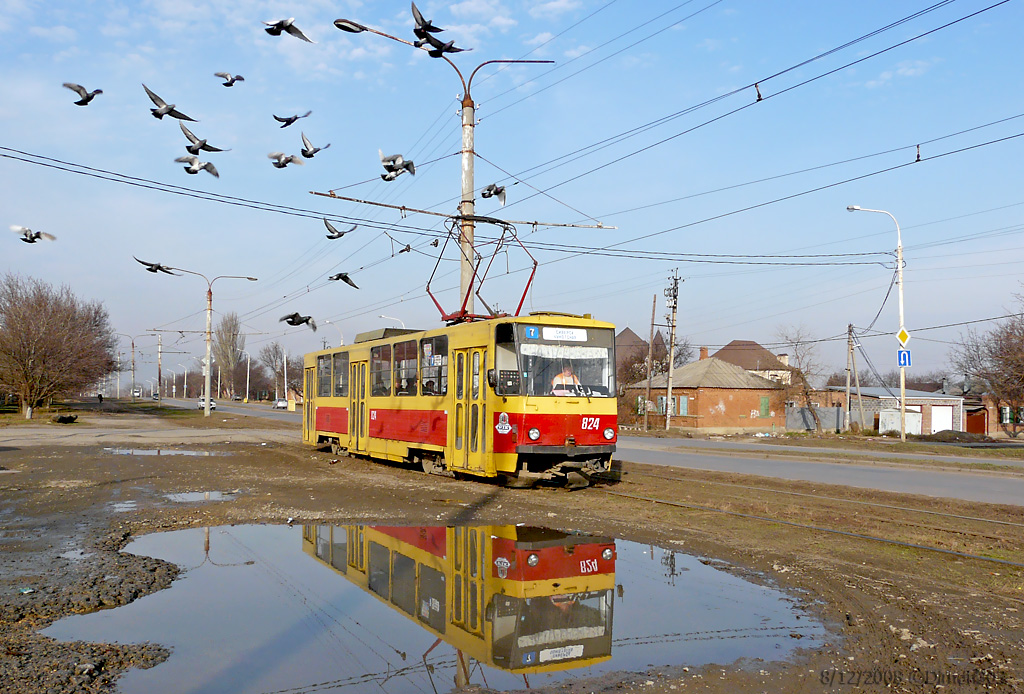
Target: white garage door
x,y
942,417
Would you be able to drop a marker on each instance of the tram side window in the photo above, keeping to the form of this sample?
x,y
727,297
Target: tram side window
x,y
380,370
403,582
405,368
323,376
506,362
434,365
379,571
341,375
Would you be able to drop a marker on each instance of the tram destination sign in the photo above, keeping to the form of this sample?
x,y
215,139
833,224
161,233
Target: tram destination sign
x,y
564,334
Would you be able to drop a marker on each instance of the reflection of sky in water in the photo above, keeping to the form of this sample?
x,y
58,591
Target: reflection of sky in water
x,y
287,622
188,497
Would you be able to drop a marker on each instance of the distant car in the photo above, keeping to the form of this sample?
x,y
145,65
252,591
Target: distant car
x,y
280,404
137,393
156,396
201,404
237,398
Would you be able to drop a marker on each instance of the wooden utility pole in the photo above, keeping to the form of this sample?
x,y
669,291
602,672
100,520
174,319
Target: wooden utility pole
x,y
672,299
849,356
650,361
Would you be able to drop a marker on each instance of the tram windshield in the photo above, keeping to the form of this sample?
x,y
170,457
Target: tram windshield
x,y
560,361
531,631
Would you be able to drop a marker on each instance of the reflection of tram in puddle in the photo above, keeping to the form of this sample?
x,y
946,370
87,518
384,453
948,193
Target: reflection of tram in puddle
x,y
521,599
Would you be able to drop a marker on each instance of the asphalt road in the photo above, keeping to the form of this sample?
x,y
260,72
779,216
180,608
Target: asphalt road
x,y
997,488
252,409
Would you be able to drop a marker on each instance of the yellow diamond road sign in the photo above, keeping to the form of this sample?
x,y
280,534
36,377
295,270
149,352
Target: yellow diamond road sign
x,y
903,336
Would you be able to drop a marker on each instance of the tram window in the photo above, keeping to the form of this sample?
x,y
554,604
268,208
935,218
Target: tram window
x,y
434,365
405,368
432,598
403,583
476,375
474,427
459,374
379,570
323,376
380,370
506,363
341,375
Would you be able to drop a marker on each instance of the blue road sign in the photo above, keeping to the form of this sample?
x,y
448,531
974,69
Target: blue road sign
x,y
903,357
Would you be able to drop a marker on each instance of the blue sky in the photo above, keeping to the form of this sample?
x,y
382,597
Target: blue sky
x,y
647,120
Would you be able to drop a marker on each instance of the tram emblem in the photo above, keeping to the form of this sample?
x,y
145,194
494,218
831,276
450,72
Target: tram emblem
x,y
503,427
502,563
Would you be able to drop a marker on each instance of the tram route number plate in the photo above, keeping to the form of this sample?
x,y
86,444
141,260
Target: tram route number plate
x,y
561,653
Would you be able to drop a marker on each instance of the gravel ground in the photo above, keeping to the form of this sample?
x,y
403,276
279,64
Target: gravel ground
x,y
900,619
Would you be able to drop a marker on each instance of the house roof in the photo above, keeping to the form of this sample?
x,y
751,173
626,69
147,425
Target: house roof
x,y
884,393
751,356
627,338
710,373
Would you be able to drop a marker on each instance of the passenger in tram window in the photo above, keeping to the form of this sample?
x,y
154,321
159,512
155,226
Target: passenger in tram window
x,y
428,388
564,382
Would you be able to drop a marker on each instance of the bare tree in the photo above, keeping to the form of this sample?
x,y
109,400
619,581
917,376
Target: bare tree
x,y
272,357
996,358
806,365
227,347
684,351
51,342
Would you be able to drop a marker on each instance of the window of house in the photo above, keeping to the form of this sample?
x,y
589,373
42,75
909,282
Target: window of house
x,y
341,375
380,370
323,376
1004,415
434,365
684,405
405,368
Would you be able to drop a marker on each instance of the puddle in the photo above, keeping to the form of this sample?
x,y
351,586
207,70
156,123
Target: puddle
x,y
75,555
122,506
190,497
278,608
161,451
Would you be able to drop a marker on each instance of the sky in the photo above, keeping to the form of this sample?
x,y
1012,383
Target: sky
x,y
646,132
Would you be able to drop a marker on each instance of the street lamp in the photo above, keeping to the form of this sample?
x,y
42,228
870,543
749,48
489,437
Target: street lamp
x,y
247,359
184,382
397,320
341,338
902,335
466,206
209,325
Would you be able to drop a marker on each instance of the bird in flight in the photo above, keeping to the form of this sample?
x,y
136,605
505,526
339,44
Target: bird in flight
x,y
29,236
282,160
288,25
494,190
229,79
437,46
290,119
197,144
195,166
332,231
296,319
343,276
395,165
422,25
308,150
155,267
163,108
86,95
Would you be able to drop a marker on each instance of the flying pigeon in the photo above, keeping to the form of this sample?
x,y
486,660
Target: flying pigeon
x,y
343,276
229,79
163,108
195,166
290,119
29,236
296,319
437,47
282,160
275,28
395,165
333,233
155,267
86,95
422,25
197,144
408,247
308,150
494,190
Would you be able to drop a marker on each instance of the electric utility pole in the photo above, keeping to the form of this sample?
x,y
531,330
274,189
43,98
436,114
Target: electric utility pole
x,y
672,301
650,361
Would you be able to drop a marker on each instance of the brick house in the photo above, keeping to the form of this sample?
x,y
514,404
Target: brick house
x,y
709,395
756,359
938,411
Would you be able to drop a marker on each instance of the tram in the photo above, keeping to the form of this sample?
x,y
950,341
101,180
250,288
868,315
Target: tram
x,y
520,599
524,399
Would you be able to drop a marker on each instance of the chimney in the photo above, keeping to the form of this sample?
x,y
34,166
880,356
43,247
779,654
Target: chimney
x,y
784,358
703,352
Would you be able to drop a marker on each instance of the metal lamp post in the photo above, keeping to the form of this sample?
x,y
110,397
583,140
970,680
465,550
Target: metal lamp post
x,y
466,206
341,338
184,382
247,359
397,320
902,335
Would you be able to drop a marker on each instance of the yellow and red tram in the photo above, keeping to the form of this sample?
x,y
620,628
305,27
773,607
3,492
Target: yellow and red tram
x,y
525,398
519,598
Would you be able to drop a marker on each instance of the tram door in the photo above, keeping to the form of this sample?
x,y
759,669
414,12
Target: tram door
x,y
468,595
309,400
357,413
470,425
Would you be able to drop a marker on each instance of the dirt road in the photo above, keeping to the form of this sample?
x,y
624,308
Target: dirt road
x,y
901,616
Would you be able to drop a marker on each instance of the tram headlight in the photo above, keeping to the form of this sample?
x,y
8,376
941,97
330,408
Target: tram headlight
x,y
534,434
533,560
609,433
607,553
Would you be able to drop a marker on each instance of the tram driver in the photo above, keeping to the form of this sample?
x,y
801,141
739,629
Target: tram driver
x,y
565,382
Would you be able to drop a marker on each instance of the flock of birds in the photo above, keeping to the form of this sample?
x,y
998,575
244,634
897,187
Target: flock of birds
x,y
394,164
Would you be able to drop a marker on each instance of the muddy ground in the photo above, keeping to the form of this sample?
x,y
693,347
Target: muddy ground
x,y
900,618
